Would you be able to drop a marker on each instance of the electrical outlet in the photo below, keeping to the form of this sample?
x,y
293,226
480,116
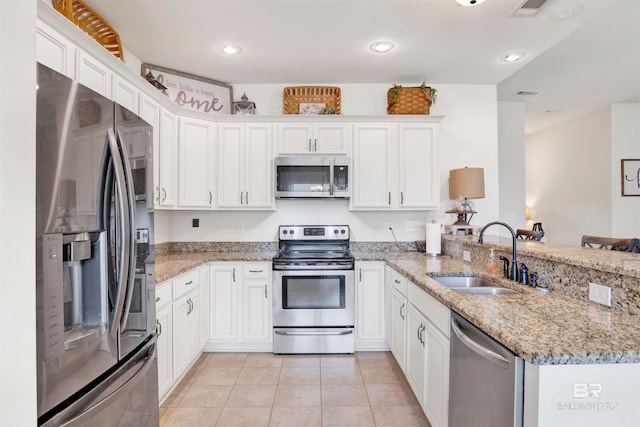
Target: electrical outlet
x,y
239,227
414,226
195,225
466,256
600,294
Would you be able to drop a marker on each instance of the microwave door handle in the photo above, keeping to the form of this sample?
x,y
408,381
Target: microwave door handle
x,y
331,165
122,210
130,230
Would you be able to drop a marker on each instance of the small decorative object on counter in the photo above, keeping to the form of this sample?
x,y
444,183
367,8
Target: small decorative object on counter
x,y
155,83
411,100
244,106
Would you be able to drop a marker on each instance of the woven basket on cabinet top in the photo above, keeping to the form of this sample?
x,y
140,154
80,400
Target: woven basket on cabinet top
x,y
410,100
91,23
293,96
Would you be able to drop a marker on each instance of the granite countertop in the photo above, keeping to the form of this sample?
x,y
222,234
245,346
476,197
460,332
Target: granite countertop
x,y
545,329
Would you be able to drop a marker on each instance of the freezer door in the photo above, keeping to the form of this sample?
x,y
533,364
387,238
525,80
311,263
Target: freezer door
x,y
127,397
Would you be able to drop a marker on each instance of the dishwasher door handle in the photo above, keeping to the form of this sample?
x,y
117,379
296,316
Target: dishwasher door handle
x,y
488,354
314,332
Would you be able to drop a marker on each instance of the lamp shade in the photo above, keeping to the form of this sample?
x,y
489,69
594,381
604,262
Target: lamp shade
x,y
467,183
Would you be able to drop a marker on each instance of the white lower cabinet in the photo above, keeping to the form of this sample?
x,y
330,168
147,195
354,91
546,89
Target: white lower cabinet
x,y
370,320
186,332
241,306
419,340
164,329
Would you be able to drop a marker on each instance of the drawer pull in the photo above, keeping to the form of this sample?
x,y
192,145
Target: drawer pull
x,y
256,271
189,282
397,281
157,299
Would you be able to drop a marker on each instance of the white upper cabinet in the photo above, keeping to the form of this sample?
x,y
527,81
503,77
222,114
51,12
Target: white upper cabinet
x,y
195,163
372,166
312,138
245,166
150,112
395,166
94,74
55,51
167,155
417,164
125,94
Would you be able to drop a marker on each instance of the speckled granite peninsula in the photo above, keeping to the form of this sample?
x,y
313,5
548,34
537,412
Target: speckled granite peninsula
x,y
558,328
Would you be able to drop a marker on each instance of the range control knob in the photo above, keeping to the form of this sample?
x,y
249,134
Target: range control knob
x,y
335,231
343,231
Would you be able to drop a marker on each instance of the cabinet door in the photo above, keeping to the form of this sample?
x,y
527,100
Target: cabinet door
x,y
125,94
195,160
418,172
295,138
205,303
165,350
55,51
331,138
193,326
150,112
436,393
372,160
257,311
168,160
258,170
370,302
224,302
398,327
180,336
94,74
415,368
230,165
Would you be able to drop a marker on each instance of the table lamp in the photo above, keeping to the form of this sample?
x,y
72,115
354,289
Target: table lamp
x,y
465,184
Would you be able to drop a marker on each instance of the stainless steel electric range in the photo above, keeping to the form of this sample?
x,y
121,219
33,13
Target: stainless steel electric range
x,y
314,290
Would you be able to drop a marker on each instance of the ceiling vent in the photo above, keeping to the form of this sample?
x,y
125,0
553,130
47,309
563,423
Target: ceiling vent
x,y
527,93
528,8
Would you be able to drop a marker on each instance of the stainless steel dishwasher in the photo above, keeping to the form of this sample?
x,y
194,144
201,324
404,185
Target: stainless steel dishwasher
x,y
486,380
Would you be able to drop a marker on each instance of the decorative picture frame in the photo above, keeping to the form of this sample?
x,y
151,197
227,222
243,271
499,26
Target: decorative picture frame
x,y
630,177
191,92
312,107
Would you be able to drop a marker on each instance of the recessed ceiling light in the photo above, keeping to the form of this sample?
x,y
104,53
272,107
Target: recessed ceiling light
x,y
230,49
469,2
513,57
381,47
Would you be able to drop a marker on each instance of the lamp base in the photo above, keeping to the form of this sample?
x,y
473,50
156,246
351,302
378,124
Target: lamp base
x,y
462,217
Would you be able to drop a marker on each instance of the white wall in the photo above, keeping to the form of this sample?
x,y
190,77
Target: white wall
x,y
568,174
468,137
511,156
625,144
17,213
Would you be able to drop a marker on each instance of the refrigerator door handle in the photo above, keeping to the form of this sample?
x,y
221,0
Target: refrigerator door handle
x,y
130,256
125,227
80,419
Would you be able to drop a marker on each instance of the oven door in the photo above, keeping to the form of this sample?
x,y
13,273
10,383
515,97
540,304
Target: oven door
x,y
311,298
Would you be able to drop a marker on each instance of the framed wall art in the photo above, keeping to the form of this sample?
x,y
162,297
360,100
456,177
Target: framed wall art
x,y
191,92
630,171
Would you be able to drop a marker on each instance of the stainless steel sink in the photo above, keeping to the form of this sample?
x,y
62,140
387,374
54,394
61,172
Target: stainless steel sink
x,y
485,290
473,285
463,281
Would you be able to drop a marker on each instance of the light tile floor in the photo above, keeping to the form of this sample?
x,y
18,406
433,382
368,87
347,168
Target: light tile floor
x,y
263,389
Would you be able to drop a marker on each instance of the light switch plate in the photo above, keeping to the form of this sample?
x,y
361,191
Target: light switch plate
x,y
600,294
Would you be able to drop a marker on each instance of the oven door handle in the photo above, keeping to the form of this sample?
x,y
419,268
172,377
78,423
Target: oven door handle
x,y
346,332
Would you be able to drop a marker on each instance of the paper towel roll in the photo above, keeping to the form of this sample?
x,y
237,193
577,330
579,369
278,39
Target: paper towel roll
x,y
433,238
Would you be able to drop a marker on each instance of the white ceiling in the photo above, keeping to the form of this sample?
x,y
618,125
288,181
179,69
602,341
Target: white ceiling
x,y
578,64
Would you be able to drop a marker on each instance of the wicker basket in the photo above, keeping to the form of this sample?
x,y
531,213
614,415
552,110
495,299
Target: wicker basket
x,y
410,100
91,23
293,96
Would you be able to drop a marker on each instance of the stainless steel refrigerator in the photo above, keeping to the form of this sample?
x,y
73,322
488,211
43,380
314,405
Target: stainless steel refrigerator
x,y
95,287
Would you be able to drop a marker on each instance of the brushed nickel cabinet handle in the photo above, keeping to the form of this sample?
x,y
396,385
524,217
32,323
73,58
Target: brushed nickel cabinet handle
x,y
402,197
210,197
265,291
389,198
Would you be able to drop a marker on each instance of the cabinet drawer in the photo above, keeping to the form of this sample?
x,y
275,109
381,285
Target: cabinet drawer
x,y
186,282
437,313
399,282
163,295
256,271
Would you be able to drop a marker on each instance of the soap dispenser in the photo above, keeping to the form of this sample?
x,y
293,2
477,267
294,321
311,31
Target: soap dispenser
x,y
491,264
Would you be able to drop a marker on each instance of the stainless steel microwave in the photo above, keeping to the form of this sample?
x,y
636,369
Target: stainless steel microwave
x,y
317,177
